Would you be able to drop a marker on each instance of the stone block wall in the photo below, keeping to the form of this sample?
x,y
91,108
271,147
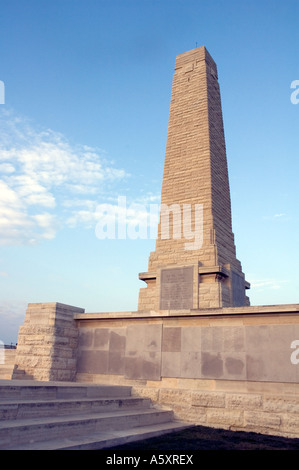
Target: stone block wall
x,y
47,343
240,346
228,368
264,411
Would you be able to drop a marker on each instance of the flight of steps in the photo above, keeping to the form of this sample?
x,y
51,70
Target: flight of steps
x,y
6,368
53,415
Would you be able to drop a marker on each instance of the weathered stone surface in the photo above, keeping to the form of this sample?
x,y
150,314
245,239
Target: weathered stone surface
x,y
208,399
175,396
286,404
226,418
265,421
176,288
171,339
47,343
244,401
195,174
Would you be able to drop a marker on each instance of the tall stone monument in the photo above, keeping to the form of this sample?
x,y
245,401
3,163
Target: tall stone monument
x,y
194,265
195,344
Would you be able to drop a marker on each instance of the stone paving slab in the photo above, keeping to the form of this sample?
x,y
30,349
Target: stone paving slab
x,y
106,440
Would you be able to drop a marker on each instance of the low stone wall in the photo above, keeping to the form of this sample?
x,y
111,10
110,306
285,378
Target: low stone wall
x,y
260,412
242,344
267,408
235,368
228,368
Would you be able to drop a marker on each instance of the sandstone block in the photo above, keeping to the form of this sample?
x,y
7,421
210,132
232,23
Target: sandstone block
x,y
262,421
208,399
226,418
171,396
244,401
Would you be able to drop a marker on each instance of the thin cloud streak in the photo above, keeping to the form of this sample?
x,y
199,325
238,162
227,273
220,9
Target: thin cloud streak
x,y
40,173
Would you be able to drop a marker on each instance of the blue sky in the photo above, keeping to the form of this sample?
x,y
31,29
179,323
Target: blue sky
x,y
87,94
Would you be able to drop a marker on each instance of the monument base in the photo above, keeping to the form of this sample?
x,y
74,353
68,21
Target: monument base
x,y
193,287
235,368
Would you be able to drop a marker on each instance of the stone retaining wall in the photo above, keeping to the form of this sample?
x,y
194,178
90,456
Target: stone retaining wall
x,y
254,412
229,368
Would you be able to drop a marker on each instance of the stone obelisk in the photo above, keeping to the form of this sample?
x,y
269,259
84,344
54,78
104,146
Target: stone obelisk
x,y
194,265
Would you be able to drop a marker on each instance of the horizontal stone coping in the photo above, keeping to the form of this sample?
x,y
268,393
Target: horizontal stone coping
x,y
218,269
49,383
250,310
55,306
201,270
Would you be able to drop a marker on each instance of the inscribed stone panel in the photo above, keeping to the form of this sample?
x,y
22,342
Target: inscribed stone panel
x,y
117,340
171,364
101,338
85,337
144,365
212,365
143,352
176,291
92,362
144,337
268,353
234,338
116,362
191,338
212,338
191,365
171,339
234,365
133,367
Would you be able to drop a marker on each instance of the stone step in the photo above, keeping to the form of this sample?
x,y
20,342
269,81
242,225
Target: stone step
x,y
106,440
17,409
57,415
14,433
6,371
34,390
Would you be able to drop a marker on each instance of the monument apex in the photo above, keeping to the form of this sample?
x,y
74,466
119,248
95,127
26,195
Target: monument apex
x,y
206,274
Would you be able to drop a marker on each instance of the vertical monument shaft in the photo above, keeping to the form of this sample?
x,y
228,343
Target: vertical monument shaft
x,y
195,229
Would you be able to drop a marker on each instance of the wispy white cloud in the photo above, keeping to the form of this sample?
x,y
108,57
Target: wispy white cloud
x,y
262,284
45,181
142,212
278,217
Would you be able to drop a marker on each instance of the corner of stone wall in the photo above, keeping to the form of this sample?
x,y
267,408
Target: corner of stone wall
x,y
47,343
